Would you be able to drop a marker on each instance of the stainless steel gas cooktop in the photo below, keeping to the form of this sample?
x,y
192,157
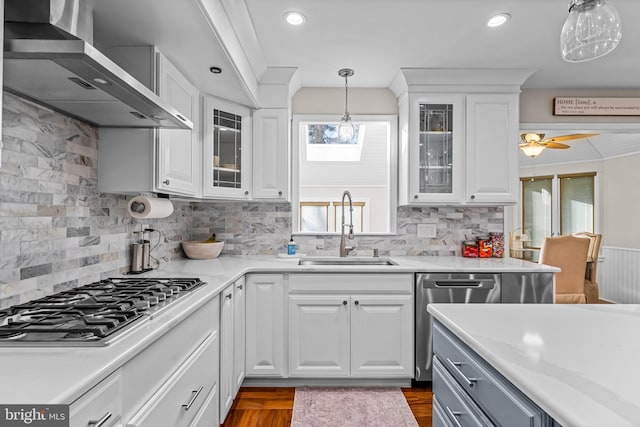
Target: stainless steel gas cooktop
x,y
90,315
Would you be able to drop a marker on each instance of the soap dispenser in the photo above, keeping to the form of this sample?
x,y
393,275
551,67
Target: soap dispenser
x,y
291,247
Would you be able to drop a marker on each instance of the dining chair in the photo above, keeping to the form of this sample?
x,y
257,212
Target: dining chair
x,y
591,287
569,253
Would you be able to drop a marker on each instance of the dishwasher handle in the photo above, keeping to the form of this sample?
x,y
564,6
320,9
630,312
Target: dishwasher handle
x,y
459,283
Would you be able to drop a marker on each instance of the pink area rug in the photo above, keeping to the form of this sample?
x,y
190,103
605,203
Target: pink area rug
x,y
351,407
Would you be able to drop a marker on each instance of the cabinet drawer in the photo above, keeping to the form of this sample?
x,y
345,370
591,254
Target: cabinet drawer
x,y
350,283
207,415
457,406
146,372
439,419
101,403
179,399
499,399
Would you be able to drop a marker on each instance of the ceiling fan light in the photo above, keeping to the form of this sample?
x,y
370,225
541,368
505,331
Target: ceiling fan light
x,y
532,150
592,29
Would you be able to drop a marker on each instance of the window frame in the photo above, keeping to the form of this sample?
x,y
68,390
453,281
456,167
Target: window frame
x,y
392,151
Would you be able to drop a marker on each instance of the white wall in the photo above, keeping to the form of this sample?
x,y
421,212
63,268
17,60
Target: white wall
x,y
621,204
536,105
330,100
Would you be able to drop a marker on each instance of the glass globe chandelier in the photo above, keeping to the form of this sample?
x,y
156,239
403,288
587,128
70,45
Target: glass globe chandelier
x,y
346,129
591,30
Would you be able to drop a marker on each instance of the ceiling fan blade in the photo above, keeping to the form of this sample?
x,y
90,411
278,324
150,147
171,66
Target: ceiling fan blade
x,y
555,145
569,137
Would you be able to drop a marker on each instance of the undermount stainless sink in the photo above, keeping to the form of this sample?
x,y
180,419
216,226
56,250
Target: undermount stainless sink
x,y
345,261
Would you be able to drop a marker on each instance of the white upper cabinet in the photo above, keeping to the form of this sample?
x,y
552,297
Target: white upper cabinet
x,y
178,150
152,160
436,149
458,135
492,148
227,150
271,164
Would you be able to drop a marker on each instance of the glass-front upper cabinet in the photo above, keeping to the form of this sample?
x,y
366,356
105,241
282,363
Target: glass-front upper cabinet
x,y
437,151
227,140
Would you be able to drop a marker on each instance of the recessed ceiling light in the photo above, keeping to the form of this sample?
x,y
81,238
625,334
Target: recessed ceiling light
x,y
295,18
499,19
100,80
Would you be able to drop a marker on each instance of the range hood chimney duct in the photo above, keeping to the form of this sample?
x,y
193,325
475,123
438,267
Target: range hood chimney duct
x,y
49,58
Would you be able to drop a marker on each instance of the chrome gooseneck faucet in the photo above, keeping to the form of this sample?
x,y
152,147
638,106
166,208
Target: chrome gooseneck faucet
x,y
344,250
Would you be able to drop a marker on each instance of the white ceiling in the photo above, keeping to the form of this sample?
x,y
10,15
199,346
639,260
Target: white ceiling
x,y
376,38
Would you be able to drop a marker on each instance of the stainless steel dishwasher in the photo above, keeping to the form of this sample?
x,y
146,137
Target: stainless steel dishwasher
x,y
464,288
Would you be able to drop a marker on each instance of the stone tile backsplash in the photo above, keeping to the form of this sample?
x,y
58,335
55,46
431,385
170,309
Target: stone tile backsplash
x,y
58,232
252,229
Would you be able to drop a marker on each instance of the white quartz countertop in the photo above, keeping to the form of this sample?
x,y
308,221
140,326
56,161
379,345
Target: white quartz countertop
x,y
577,362
43,375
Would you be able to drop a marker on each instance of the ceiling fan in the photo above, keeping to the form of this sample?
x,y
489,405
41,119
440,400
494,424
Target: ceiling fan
x,y
534,143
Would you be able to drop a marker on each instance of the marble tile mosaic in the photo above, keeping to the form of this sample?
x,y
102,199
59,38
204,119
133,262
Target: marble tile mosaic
x,y
56,230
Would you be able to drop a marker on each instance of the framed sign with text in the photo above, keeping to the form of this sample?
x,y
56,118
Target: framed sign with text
x,y
583,106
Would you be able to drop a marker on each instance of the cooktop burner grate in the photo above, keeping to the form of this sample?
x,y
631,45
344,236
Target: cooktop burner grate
x,y
89,313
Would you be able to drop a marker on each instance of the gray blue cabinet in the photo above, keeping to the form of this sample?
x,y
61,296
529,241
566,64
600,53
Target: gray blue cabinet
x,y
471,392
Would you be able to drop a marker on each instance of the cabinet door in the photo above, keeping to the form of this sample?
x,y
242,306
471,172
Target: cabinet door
x,y
382,336
265,325
178,149
436,149
226,352
319,336
492,148
239,301
227,149
271,154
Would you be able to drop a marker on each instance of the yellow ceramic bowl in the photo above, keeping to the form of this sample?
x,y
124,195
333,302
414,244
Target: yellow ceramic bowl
x,y
202,250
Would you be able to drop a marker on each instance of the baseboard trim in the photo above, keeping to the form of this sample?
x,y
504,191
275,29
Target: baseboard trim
x,y
326,382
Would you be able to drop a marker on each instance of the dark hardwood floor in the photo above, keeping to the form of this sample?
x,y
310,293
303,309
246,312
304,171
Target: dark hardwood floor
x,y
273,406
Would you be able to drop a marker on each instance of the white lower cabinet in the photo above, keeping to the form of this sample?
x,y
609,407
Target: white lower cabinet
x,y
335,332
232,344
178,400
170,381
102,405
265,325
319,336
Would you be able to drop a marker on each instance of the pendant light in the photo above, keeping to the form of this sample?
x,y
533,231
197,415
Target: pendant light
x,y
346,130
591,30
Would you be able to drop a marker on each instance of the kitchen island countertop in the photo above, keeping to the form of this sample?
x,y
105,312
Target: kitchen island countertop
x,y
579,363
53,374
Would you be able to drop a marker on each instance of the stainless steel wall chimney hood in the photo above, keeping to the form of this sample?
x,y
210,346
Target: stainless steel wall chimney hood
x,y
49,58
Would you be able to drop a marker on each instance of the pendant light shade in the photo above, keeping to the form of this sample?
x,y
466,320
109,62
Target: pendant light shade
x,y
346,129
591,30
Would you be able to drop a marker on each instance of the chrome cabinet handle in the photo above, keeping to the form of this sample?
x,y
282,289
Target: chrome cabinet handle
x,y
194,396
357,302
473,196
239,286
470,381
181,117
344,303
454,416
101,421
246,193
166,182
228,296
279,193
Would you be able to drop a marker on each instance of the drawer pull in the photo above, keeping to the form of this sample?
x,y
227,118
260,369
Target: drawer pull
x,y
470,381
454,416
101,421
194,396
228,296
239,286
